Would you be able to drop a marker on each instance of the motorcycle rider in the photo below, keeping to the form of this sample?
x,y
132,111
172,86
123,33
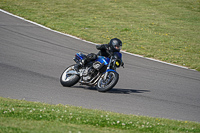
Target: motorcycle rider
x,y
106,50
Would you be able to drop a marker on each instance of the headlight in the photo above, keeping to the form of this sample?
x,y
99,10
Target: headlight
x,y
117,63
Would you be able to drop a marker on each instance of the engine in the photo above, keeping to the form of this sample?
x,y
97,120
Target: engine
x,y
91,70
89,73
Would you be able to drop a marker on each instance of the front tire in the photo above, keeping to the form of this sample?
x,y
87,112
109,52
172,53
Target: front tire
x,y
69,80
111,80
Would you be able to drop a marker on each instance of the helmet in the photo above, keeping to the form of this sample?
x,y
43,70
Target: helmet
x,y
115,44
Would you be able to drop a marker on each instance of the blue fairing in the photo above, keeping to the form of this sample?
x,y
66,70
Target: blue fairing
x,y
103,59
106,60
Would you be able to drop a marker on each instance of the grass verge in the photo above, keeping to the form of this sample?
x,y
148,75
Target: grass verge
x,y
167,30
24,116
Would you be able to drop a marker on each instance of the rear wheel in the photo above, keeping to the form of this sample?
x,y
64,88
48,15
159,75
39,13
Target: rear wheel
x,y
111,80
68,79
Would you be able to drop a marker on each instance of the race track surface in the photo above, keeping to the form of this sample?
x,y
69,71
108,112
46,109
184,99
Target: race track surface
x,y
32,59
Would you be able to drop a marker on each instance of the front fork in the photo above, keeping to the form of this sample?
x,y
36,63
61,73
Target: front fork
x,y
108,69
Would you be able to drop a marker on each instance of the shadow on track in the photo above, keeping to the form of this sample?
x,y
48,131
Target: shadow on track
x,y
115,90
126,91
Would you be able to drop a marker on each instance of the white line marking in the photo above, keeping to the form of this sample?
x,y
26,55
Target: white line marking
x,y
89,41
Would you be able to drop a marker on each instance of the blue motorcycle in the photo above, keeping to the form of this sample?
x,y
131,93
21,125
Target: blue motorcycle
x,y
100,72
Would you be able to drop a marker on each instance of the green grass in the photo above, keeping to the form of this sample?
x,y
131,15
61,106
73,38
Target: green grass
x,y
167,30
24,116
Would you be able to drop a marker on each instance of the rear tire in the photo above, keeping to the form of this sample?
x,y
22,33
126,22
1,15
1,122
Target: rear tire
x,y
68,80
111,80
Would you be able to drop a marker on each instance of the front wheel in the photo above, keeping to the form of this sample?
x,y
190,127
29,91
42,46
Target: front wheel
x,y
68,79
111,80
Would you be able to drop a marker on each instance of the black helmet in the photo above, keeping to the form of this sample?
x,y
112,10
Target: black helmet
x,y
115,44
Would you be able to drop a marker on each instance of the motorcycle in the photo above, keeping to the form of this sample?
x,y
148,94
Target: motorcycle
x,y
100,72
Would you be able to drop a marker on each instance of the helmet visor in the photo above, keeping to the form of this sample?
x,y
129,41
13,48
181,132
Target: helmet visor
x,y
117,47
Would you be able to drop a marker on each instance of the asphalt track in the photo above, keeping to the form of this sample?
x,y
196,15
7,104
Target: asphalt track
x,y
32,59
